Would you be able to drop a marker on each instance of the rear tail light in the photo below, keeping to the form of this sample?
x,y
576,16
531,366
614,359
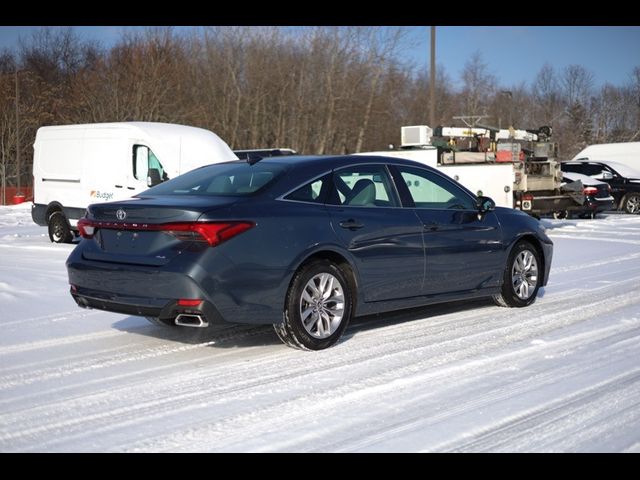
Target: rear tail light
x,y
590,190
527,196
212,233
187,302
86,228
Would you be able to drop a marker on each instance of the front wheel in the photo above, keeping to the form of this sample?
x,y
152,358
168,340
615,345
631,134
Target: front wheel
x,y
521,277
317,308
59,230
632,203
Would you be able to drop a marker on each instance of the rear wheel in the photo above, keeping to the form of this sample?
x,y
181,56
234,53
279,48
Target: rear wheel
x,y
521,277
317,308
561,214
59,229
632,203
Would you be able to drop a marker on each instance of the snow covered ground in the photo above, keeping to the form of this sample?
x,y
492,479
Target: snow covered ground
x,y
562,375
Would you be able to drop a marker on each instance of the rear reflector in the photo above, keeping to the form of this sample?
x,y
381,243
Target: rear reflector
x,y
187,302
213,233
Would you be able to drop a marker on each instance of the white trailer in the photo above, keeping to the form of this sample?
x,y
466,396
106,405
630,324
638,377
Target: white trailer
x,y
76,165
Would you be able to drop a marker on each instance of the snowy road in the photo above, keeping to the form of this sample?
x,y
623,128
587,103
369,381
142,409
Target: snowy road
x,y
562,375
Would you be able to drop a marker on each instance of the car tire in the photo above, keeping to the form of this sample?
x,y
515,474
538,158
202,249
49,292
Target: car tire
x,y
632,203
521,280
560,214
59,229
318,307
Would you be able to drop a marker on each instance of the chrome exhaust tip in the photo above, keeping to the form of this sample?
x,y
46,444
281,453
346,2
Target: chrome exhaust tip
x,y
189,320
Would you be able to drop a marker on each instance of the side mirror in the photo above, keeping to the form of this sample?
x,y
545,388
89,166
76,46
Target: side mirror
x,y
606,175
153,177
485,204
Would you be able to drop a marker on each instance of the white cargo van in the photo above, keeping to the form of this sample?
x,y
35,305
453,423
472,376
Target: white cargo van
x,y
627,153
76,165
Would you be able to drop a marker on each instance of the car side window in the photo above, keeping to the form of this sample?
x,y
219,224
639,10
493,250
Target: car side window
x,y
572,167
429,190
595,170
363,186
308,193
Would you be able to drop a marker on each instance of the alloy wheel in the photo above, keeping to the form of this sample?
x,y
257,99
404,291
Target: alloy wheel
x,y
524,274
322,305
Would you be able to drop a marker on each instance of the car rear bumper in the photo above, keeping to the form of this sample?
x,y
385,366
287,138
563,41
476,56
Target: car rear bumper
x,y
153,292
600,204
164,309
593,205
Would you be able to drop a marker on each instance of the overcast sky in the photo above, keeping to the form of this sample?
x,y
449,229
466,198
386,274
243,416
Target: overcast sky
x,y
513,54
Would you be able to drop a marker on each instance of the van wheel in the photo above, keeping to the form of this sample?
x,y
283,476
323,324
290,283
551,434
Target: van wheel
x,y
59,229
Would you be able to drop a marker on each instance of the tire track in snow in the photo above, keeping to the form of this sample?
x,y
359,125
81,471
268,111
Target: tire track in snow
x,y
44,320
109,359
512,434
291,414
368,437
407,346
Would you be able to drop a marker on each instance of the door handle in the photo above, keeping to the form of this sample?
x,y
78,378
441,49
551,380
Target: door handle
x,y
131,188
351,224
118,186
430,227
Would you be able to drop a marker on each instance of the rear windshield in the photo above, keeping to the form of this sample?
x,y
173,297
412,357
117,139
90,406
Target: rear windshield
x,y
225,179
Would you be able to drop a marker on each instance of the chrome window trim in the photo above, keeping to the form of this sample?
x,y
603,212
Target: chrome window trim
x,y
386,167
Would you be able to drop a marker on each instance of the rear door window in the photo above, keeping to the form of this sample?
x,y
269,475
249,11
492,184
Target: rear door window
x,y
363,186
311,192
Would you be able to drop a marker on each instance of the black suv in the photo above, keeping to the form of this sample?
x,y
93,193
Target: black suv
x,y
624,181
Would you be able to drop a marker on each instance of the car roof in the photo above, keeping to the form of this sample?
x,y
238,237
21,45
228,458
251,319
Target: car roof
x,y
334,161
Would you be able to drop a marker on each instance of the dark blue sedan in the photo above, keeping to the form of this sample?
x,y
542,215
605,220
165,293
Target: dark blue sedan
x,y
305,244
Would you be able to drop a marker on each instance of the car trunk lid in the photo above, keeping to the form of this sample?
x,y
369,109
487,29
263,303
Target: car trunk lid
x,y
146,230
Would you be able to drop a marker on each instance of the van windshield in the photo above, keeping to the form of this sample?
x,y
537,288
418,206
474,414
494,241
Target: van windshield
x,y
235,179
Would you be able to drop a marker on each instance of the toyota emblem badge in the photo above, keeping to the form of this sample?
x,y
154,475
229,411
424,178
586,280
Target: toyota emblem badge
x,y
121,214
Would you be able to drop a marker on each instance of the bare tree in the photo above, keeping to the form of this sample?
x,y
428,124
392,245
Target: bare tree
x,y
478,85
547,96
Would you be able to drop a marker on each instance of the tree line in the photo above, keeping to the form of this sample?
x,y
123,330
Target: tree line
x,y
318,90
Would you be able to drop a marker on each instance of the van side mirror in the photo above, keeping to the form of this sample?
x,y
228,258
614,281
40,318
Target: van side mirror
x,y
153,177
485,204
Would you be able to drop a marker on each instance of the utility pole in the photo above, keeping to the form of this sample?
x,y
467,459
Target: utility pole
x,y
432,81
17,131
509,93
